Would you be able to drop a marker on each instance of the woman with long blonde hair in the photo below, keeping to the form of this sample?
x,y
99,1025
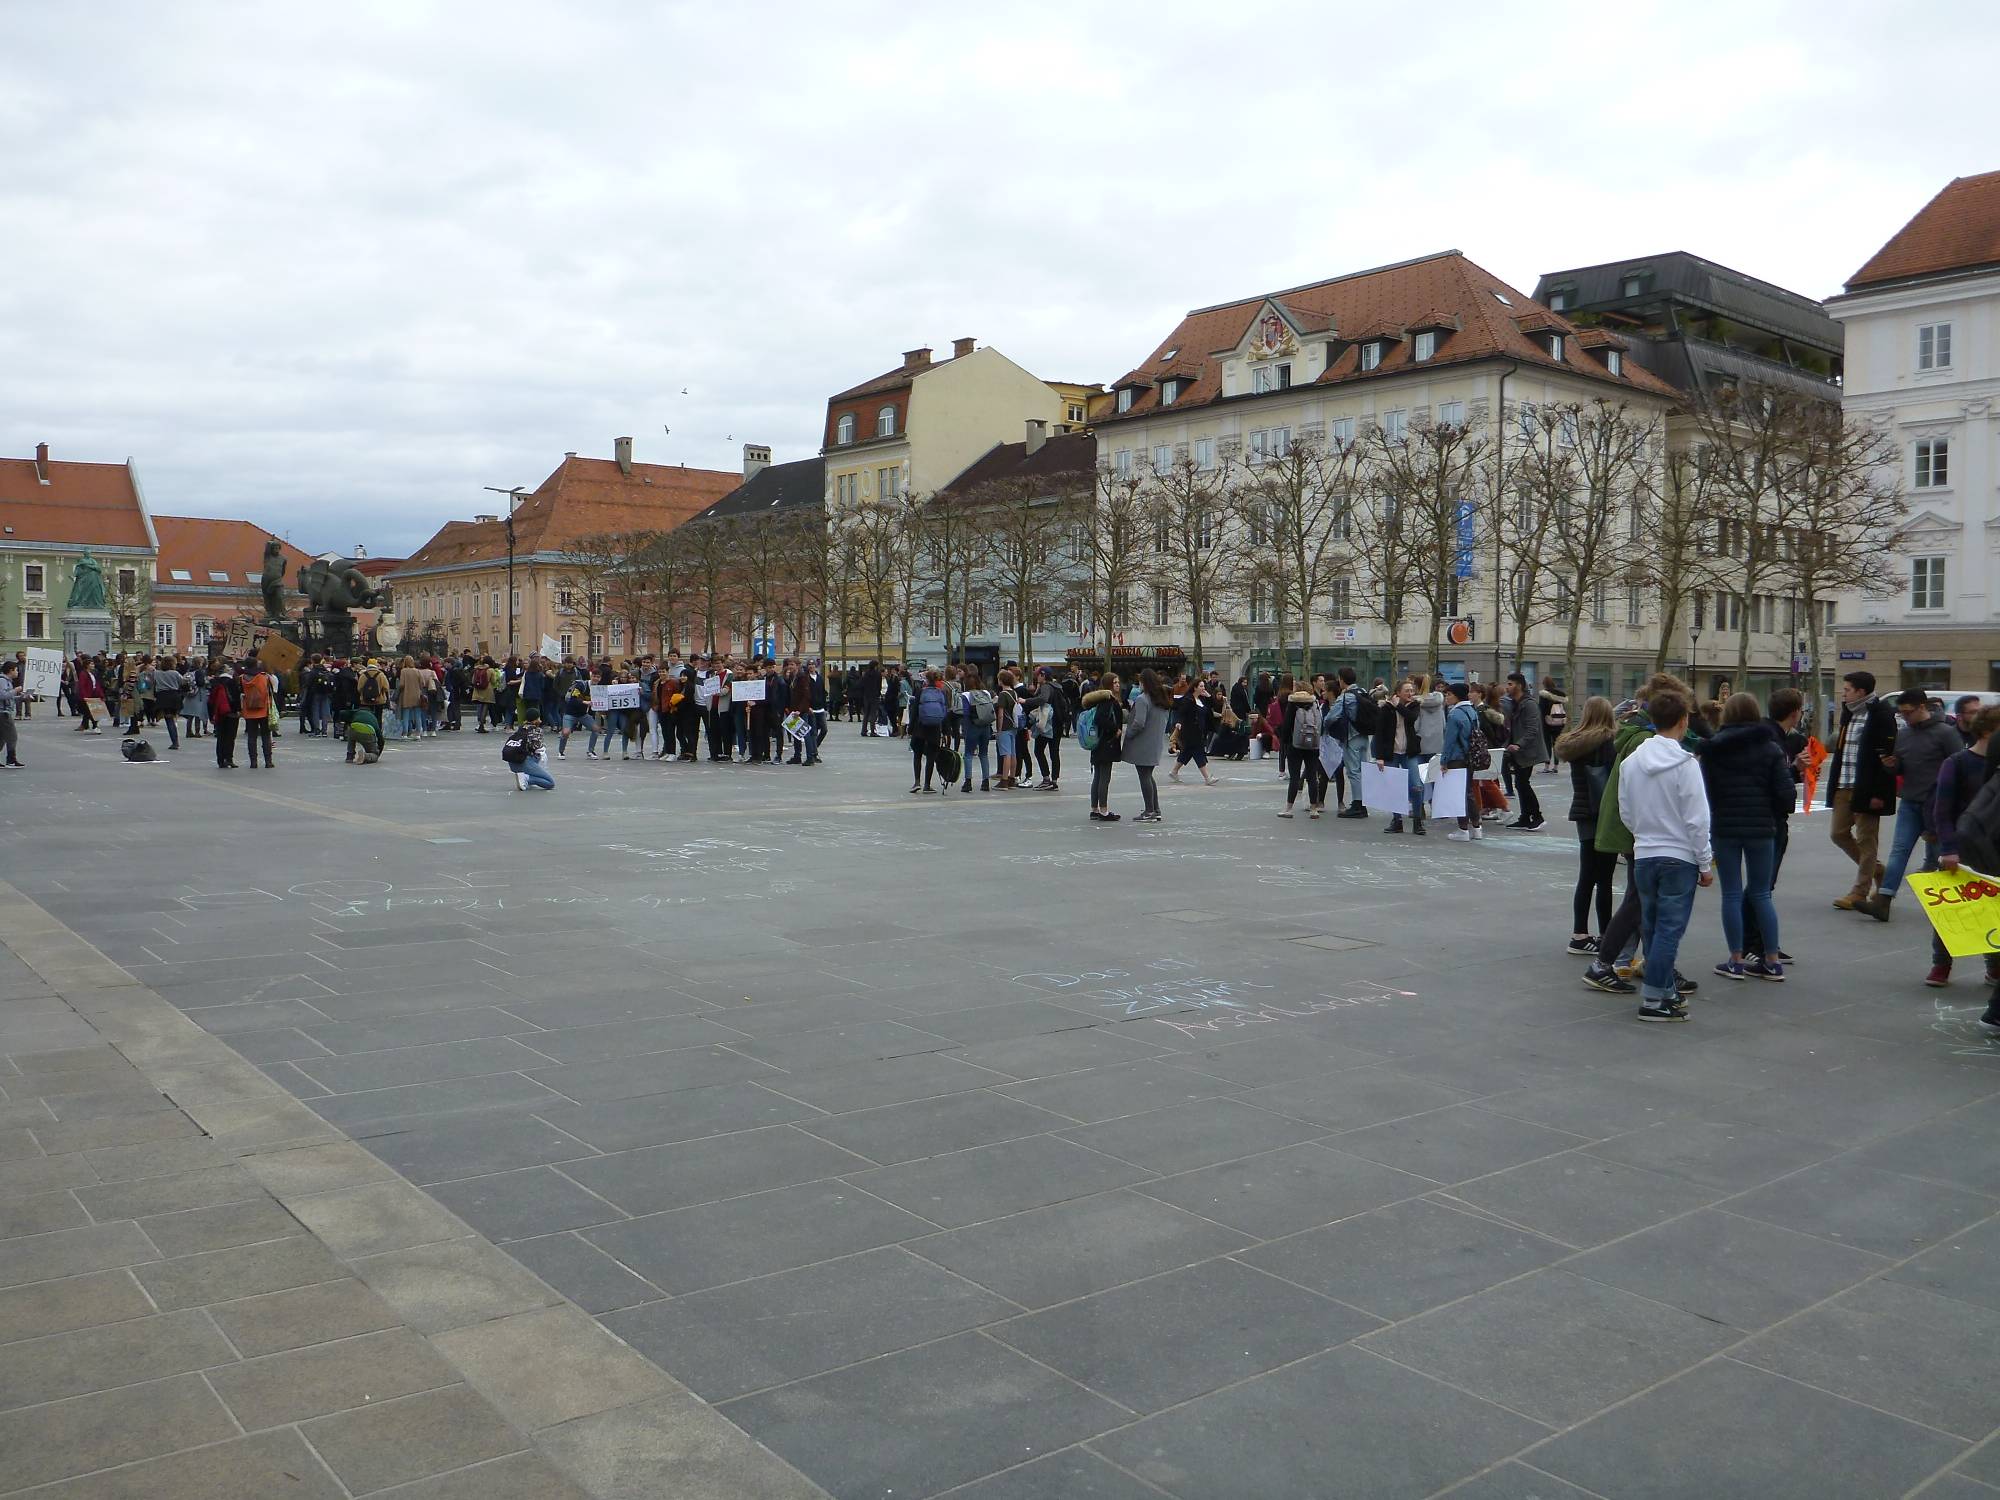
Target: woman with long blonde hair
x,y
1587,748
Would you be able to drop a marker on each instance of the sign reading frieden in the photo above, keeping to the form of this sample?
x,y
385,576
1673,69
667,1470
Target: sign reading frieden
x,y
608,696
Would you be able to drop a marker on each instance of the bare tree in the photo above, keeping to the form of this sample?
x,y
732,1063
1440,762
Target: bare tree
x,y
1302,495
1594,542
587,572
1108,543
954,544
709,554
1026,520
1746,432
1189,512
1435,478
1841,513
878,542
656,583
1675,562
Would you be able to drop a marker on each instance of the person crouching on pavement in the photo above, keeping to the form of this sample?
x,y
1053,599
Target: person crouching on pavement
x,y
522,751
364,733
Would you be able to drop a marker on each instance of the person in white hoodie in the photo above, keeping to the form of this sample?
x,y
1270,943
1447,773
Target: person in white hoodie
x,y
1663,802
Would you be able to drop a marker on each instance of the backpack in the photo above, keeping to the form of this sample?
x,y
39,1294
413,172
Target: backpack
x,y
256,696
1365,709
931,708
482,677
1305,727
1979,829
374,687
1090,728
514,749
1478,752
218,699
137,751
982,708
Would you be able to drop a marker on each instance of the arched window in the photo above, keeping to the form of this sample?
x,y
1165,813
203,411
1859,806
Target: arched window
x,y
843,431
885,422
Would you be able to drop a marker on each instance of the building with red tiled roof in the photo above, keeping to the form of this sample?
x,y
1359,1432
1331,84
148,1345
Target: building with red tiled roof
x,y
1922,319
210,571
456,585
51,512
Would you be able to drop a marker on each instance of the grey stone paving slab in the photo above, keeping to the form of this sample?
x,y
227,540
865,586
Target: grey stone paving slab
x,y
894,1080
1049,1255
199,1229
157,1158
40,1213
1062,1052
243,1271
411,1438
316,1169
521,1204
523,1476
551,1366
400,1066
46,1307
1074,1474
1519,1481
1284,1191
384,1111
1863,1206
440,1150
203,1188
447,1285
1184,1136
380,1216
1838,1450
1170,1338
1354,1097
1966,1266
1716,1155
930,1127
657,1119
62,1365
294,1319
469,1024
1454,1144
1406,1257
651,1178
67,1252
1580,1199
583,1273
887,1428
653,1073
675,1445
251,1468
987,1182
110,1428
1400,1434
777,1329
686,1249
1123,1089
310,1382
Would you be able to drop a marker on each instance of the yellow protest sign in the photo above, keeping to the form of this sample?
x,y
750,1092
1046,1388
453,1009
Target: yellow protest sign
x,y
1964,907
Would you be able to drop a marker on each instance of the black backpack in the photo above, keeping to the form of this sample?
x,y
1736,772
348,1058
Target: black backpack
x,y
1478,752
514,749
137,750
1365,709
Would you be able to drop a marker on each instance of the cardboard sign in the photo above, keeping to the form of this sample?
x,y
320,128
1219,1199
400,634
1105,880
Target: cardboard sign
x,y
750,690
236,641
1385,788
1448,797
44,671
279,654
612,696
1964,907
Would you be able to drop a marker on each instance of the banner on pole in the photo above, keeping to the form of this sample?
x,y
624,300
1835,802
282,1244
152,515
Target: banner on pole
x,y
747,690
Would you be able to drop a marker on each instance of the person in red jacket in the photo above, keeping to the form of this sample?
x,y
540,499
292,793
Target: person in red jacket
x,y
225,707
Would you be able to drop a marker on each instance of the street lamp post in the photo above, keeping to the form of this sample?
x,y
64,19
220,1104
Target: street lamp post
x,y
1694,658
514,498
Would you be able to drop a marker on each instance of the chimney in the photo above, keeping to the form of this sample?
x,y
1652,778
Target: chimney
x,y
756,458
916,359
1038,434
962,347
569,455
360,551
42,463
623,448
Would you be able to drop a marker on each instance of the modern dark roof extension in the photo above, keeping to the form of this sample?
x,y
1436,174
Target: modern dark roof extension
x,y
773,488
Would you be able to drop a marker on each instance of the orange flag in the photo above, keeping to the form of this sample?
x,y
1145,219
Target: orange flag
x,y
1816,754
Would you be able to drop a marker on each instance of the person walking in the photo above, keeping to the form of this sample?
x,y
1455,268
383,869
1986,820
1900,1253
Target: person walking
x,y
1662,801
1590,750
1463,746
1396,744
1353,720
169,694
1749,786
1959,780
483,693
1103,737
1525,749
1299,732
1048,716
1924,743
927,722
1860,788
974,722
1786,709
1145,743
1191,718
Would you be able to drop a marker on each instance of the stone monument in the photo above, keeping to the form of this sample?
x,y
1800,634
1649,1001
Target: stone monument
x,y
86,622
331,590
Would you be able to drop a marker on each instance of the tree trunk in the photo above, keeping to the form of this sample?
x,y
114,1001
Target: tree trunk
x,y
1569,648
1431,659
1669,622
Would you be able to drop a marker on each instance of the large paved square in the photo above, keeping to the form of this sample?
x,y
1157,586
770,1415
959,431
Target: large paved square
x,y
939,1137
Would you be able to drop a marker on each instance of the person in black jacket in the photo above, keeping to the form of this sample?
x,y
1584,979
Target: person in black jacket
x,y
1859,787
1590,749
1750,795
1784,713
1396,744
1103,701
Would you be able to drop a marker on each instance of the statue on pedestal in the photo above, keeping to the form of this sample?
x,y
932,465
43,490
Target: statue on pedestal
x,y
273,584
331,590
86,589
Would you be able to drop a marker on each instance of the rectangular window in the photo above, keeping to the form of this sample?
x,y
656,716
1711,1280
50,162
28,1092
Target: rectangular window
x,y
1933,463
216,575
1075,413
477,599
34,578
889,482
1121,462
1451,596
1425,346
1204,453
1258,522
1160,604
596,643
979,617
163,635
1341,599
1559,298
1281,441
1262,380
1204,530
1260,445
617,635
1075,621
203,631
1121,606
128,627
1260,605
1930,675
1927,583
1700,610
1451,414
496,602
1125,399
1632,605
517,601
565,599
128,580
1395,425
566,643
457,605
35,625
1934,346
1598,613
1010,617
1340,432
1371,356
1163,535
1163,458
1342,519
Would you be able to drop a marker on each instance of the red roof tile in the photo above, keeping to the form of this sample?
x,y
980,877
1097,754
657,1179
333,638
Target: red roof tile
x,y
197,546
1958,230
584,497
93,505
1385,300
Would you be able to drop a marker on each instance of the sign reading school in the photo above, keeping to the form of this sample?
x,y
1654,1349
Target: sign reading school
x,y
1964,907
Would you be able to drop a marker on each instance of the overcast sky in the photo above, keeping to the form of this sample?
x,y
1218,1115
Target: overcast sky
x,y
334,267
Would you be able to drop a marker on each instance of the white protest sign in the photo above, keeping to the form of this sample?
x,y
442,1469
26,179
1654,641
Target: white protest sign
x,y
747,690
706,689
1385,788
1448,800
608,697
551,647
794,726
44,671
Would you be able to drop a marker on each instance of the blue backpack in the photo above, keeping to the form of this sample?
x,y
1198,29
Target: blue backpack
x,y
932,708
1089,728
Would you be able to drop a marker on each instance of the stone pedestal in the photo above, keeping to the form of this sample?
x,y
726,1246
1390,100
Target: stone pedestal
x,y
87,632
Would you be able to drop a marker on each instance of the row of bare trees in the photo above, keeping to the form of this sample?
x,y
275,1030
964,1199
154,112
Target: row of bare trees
x,y
1761,492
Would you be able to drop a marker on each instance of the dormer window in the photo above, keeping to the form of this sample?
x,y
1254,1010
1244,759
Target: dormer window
x,y
885,422
1614,361
1170,391
1371,355
1424,346
1562,298
843,430
1635,283
1265,378
1125,398
1554,342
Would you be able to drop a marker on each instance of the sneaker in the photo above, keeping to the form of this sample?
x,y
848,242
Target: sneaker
x,y
1286,813
1729,968
1684,985
1598,977
1459,836
561,754
1663,1013
1352,810
1632,969
1582,947
1112,817
1476,831
1781,957
521,779
1939,976
1096,816
591,753
1314,813
1765,968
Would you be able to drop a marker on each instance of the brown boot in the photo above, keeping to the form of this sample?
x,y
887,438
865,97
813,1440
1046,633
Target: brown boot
x,y
1849,902
1876,906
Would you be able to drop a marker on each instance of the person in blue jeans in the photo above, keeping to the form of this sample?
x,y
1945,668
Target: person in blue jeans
x,y
522,751
1663,803
976,716
1396,745
1923,744
1749,785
